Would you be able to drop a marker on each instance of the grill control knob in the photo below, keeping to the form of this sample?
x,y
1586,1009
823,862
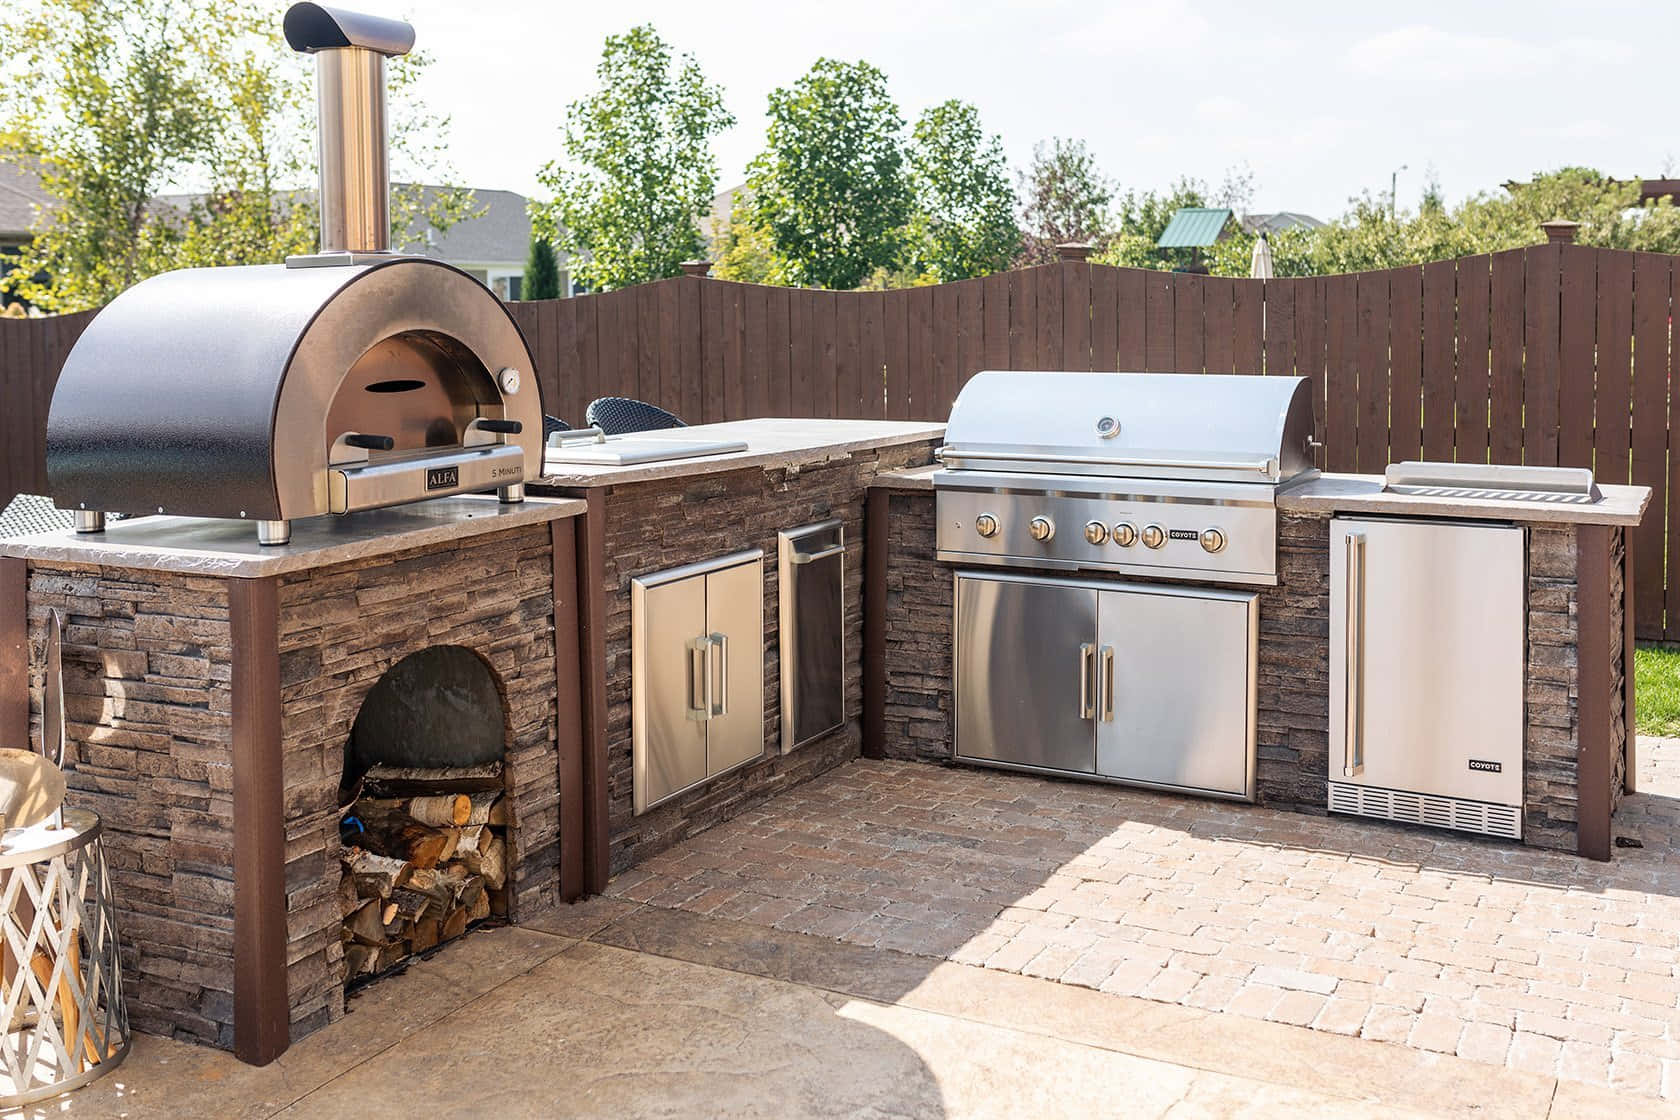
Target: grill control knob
x,y
1125,534
1213,540
1096,532
986,525
1041,528
1153,537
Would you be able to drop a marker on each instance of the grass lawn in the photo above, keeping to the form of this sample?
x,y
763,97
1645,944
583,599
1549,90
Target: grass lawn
x,y
1656,683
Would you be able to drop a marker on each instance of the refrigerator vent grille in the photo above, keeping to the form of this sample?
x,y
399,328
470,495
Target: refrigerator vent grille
x,y
1418,808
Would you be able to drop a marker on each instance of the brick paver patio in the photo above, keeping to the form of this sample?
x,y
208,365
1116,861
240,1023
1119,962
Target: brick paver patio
x,y
1533,960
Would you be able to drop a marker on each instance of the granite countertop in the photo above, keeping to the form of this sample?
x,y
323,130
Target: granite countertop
x,y
1363,493
771,444
200,546
916,478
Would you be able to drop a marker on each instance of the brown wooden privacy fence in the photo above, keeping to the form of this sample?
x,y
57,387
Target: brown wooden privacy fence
x,y
1554,354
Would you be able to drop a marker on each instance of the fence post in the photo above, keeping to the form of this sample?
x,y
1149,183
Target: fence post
x,y
696,268
1560,231
1074,250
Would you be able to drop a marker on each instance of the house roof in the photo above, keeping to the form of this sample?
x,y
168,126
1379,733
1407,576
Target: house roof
x,y
1194,227
20,196
499,235
716,221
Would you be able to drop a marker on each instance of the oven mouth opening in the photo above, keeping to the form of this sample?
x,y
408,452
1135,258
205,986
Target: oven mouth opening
x,y
425,820
395,385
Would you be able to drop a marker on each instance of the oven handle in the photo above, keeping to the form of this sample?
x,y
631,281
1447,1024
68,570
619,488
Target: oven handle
x,y
1087,710
1353,734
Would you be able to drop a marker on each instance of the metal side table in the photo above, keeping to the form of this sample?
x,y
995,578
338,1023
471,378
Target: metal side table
x,y
61,998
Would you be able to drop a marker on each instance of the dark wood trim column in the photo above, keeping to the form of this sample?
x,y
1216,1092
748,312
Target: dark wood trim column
x,y
261,1010
569,713
14,653
875,533
1629,712
1592,666
592,645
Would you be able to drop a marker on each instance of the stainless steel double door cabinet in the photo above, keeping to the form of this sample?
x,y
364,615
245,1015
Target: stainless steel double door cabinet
x,y
1149,684
696,673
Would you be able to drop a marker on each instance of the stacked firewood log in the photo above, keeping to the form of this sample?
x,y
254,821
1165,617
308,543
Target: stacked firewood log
x,y
418,869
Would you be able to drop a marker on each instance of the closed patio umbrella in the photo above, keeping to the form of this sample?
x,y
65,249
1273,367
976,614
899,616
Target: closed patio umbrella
x,y
1261,266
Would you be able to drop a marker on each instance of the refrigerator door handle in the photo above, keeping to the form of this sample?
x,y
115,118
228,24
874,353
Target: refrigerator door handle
x,y
1087,710
1353,737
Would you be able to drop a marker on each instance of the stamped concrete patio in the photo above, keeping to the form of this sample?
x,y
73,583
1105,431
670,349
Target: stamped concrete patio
x,y
1533,961
908,941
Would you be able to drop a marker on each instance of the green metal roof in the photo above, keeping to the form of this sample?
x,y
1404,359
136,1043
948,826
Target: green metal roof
x,y
1193,227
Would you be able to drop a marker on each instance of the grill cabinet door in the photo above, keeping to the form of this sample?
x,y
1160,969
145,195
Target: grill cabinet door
x,y
1176,688
735,628
1025,651
667,625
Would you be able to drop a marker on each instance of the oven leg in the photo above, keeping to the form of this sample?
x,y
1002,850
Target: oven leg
x,y
274,532
508,495
90,520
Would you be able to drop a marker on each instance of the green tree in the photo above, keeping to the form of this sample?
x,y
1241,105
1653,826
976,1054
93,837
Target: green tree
x,y
121,103
744,251
1064,197
964,219
542,273
627,205
829,190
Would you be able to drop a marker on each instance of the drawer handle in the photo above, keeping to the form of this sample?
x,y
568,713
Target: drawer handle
x,y
824,554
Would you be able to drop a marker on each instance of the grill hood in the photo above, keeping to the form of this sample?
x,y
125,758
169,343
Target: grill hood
x,y
1209,427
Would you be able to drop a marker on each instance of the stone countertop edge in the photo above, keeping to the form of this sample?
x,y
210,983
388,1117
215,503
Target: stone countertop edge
x,y
229,549
1363,493
917,478
772,442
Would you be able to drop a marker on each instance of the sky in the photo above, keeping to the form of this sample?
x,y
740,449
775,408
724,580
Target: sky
x,y
1318,100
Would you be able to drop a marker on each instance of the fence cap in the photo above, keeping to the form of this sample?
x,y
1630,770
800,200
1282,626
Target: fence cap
x,y
696,268
1074,250
1560,230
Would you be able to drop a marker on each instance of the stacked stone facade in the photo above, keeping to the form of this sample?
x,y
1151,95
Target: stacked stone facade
x,y
661,524
1292,722
148,666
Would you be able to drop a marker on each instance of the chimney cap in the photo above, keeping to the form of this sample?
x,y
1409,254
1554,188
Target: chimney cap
x,y
315,27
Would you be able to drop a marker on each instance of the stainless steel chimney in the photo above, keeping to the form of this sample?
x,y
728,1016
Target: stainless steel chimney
x,y
350,51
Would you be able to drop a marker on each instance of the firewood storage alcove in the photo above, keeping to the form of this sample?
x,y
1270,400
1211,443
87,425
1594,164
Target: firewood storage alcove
x,y
426,828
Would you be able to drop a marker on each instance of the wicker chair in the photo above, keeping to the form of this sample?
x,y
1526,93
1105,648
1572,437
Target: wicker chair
x,y
618,415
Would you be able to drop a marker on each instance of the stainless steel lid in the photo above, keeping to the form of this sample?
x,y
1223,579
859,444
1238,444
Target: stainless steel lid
x,y
1143,425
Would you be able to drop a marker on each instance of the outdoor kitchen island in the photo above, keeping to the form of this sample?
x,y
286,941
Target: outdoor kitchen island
x,y
1576,691
705,516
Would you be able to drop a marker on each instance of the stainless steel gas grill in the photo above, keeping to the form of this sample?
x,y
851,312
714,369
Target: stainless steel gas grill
x,y
345,380
1158,475
1151,474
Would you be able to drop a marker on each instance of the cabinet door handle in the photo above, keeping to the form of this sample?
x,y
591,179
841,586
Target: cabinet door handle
x,y
1107,690
1086,709
1353,735
700,678
719,643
